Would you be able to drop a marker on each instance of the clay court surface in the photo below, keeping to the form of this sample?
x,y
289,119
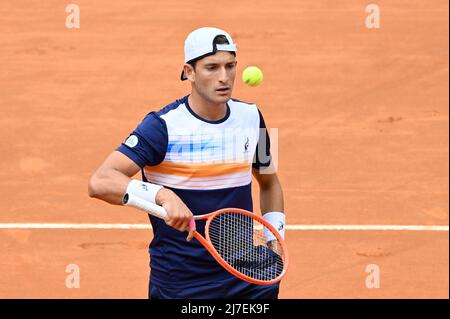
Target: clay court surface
x,y
362,118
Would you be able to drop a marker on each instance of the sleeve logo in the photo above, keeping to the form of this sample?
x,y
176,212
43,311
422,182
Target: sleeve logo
x,y
132,141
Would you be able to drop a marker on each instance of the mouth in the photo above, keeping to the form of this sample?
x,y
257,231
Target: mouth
x,y
223,90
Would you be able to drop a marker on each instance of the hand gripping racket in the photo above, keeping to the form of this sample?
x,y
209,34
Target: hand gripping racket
x,y
236,238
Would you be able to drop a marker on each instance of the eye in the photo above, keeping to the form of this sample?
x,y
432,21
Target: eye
x,y
211,67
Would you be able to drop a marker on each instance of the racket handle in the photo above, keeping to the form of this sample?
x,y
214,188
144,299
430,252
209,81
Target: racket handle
x,y
152,209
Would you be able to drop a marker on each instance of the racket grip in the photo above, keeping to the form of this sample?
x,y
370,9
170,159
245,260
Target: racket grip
x,y
152,209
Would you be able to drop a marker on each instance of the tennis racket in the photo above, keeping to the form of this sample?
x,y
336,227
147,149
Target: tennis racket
x,y
236,238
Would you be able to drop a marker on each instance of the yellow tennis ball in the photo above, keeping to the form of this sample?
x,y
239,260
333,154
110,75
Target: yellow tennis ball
x,y
252,76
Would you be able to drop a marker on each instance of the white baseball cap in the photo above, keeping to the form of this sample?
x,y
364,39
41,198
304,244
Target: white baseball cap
x,y
199,44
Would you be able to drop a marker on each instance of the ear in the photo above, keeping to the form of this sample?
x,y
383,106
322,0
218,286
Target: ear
x,y
189,72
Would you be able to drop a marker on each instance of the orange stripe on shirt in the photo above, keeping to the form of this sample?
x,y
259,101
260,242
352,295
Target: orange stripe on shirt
x,y
161,177
181,185
194,170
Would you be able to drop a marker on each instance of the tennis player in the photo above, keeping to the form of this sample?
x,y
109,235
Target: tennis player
x,y
196,155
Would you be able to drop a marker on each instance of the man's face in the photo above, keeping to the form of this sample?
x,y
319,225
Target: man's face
x,y
213,77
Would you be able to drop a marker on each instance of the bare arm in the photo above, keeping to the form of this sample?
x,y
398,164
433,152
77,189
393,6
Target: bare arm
x,y
271,194
110,181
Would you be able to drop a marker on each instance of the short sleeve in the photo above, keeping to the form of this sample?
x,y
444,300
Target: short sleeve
x,y
147,144
262,157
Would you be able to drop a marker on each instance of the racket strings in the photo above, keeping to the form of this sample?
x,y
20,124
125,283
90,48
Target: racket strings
x,y
240,240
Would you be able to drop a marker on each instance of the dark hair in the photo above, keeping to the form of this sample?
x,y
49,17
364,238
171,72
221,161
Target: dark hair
x,y
220,39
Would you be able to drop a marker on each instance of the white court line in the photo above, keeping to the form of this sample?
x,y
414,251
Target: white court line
x,y
288,227
368,227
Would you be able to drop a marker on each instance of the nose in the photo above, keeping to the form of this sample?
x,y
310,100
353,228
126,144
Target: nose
x,y
223,76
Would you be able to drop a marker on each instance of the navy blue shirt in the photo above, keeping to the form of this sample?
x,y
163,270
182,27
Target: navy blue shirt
x,y
208,165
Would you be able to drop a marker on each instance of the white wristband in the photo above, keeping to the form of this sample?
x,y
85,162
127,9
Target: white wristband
x,y
143,190
278,221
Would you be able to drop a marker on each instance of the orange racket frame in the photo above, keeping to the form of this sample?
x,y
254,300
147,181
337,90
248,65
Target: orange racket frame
x,y
160,212
206,242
